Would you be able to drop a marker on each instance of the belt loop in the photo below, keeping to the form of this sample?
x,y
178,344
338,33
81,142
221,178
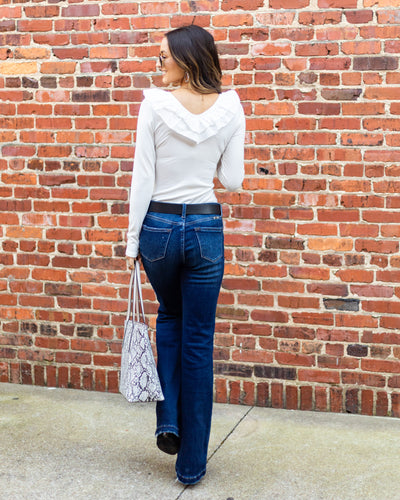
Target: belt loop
x,y
184,210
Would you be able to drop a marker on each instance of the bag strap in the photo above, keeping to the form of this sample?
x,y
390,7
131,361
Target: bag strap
x,y
139,289
137,298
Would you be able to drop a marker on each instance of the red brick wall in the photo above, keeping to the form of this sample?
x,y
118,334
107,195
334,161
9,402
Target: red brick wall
x,y
309,312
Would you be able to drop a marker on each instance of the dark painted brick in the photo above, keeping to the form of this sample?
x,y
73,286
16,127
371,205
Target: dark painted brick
x,y
355,260
13,82
341,94
48,330
357,350
48,82
233,369
308,78
62,289
367,63
332,260
85,331
28,328
285,243
352,405
91,96
268,256
7,25
342,304
263,371
84,81
30,82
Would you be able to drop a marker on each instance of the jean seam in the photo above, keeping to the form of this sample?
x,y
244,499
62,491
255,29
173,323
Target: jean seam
x,y
189,478
183,241
197,221
167,428
157,229
161,219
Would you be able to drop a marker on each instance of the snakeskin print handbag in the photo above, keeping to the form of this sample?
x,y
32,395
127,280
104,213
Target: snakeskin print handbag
x,y
139,380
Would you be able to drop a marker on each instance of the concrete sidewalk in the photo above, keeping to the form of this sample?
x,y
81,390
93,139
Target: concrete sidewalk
x,y
68,444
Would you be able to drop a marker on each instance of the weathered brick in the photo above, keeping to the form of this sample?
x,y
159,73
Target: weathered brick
x,y
81,11
375,63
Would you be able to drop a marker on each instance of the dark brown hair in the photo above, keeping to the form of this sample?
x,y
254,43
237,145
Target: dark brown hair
x,y
193,49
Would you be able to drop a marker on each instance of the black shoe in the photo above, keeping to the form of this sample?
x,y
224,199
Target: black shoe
x,y
168,443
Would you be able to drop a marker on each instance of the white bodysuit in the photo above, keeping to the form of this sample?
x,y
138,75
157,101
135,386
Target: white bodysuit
x,y
178,154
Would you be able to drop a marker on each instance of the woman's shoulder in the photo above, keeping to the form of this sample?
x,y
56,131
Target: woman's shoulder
x,y
231,93
231,97
231,106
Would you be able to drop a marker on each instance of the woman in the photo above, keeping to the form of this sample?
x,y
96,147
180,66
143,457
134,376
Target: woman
x,y
183,138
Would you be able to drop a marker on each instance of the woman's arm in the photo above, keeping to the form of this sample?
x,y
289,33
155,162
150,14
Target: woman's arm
x,y
230,170
142,177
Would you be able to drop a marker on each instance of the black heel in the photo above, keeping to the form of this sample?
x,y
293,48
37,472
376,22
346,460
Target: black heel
x,y
168,443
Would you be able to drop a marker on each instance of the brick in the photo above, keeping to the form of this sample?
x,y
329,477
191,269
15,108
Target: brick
x,y
319,18
359,16
286,243
341,94
319,108
384,366
386,93
276,395
269,316
320,376
81,11
91,96
355,275
317,49
286,358
18,68
312,318
306,398
377,63
352,400
357,350
35,25
232,20
66,67
73,53
337,4
388,16
27,53
39,12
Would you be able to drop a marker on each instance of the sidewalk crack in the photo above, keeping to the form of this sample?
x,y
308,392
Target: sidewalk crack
x,y
220,445
230,433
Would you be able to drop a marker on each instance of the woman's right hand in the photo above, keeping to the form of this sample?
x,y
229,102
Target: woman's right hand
x,y
131,262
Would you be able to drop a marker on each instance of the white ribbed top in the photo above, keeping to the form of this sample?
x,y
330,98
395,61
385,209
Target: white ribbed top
x,y
178,154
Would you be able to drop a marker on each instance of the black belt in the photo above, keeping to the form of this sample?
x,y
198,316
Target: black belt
x,y
191,208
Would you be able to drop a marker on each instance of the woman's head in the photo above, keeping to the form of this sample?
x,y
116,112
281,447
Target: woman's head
x,y
189,55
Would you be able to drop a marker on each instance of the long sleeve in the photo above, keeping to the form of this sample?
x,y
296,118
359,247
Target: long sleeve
x,y
230,169
143,177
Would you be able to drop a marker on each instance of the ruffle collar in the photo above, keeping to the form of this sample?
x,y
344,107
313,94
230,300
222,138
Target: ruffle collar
x,y
195,127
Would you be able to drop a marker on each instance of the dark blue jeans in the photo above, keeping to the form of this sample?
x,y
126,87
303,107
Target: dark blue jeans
x,y
183,257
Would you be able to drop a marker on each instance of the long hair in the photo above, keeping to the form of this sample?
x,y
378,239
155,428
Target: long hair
x,y
193,49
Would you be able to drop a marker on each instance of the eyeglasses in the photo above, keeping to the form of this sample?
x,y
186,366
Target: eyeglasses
x,y
161,59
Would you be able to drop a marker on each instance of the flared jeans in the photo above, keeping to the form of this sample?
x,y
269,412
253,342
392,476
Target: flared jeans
x,y
183,256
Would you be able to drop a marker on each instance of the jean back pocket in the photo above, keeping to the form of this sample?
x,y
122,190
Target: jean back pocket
x,y
153,242
211,242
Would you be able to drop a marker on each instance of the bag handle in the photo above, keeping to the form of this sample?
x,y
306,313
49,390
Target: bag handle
x,y
133,302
